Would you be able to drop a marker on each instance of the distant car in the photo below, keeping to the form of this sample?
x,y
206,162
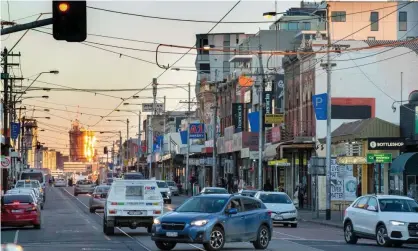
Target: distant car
x,y
60,182
133,176
32,191
31,184
213,220
250,193
19,210
165,191
214,190
84,187
389,219
98,198
282,207
173,188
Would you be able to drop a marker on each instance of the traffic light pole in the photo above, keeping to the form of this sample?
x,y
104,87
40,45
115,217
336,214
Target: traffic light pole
x,y
27,26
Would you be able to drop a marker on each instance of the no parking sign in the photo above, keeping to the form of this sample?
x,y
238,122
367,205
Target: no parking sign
x,y
5,162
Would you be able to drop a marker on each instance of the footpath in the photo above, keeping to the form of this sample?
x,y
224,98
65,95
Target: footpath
x,y
310,216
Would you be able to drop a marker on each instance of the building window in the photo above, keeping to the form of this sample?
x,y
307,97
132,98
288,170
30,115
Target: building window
x,y
204,68
226,67
338,16
284,26
306,26
374,21
371,38
205,42
293,26
403,20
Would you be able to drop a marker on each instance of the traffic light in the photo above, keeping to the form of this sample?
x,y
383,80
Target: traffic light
x,y
69,20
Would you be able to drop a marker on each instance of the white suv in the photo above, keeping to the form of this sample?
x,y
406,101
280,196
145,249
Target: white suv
x,y
390,220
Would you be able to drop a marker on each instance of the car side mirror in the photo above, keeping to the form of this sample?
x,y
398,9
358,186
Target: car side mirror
x,y
232,211
371,208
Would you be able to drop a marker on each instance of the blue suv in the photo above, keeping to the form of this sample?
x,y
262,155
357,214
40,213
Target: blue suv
x,y
213,220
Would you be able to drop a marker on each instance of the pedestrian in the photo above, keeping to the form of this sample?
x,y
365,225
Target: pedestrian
x,y
301,197
268,187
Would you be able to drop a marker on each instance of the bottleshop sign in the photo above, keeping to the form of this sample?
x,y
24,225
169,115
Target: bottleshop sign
x,y
379,158
385,143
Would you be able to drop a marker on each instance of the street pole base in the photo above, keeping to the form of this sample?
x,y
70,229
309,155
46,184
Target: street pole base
x,y
328,214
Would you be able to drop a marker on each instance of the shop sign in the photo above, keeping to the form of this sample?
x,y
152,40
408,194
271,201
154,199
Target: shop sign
x,y
282,162
267,109
238,116
247,96
250,139
166,157
228,146
379,158
273,119
268,135
245,153
209,143
197,131
254,154
192,162
385,143
237,142
275,134
351,160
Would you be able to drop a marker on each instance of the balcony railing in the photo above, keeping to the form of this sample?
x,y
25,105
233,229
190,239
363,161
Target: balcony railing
x,y
298,129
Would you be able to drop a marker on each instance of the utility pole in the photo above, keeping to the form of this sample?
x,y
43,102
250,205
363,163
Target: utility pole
x,y
162,147
120,149
188,139
328,67
139,141
150,130
113,157
260,129
127,144
215,123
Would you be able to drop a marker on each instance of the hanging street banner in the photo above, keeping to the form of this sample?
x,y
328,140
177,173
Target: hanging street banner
x,y
320,106
268,101
197,131
238,116
15,128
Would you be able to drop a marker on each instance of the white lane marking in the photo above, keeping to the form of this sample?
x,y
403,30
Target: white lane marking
x,y
16,237
306,247
121,229
95,227
308,240
289,235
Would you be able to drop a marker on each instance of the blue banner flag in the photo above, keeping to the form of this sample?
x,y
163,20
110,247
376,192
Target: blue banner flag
x,y
15,130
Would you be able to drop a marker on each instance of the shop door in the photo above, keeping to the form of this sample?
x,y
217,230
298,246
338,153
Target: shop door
x,y
411,186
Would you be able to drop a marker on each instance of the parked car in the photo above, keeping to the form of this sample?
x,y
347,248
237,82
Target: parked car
x,y
214,190
173,188
282,207
19,210
250,193
98,198
165,191
84,187
60,182
213,220
390,220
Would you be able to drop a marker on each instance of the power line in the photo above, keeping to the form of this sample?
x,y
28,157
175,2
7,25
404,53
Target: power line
x,y
180,58
216,22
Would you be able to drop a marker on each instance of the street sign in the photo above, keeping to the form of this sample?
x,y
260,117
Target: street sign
x,y
148,107
379,158
15,128
320,102
273,118
4,75
5,162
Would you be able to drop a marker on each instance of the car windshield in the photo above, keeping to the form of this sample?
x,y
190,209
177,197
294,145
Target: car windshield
x,y
203,205
171,183
35,184
32,176
84,182
133,176
21,198
103,189
249,193
275,198
162,184
215,191
398,205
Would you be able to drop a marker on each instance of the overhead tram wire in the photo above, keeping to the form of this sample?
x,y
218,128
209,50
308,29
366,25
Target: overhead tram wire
x,y
180,58
216,22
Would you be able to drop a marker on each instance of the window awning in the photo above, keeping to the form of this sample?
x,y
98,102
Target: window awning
x,y
270,152
407,162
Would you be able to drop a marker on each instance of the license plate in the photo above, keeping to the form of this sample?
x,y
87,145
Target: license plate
x,y
17,211
171,234
135,212
278,217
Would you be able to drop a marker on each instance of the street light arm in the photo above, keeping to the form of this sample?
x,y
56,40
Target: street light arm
x,y
156,59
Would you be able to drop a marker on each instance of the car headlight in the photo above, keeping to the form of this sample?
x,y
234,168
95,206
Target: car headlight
x,y
397,223
169,193
199,223
157,221
292,212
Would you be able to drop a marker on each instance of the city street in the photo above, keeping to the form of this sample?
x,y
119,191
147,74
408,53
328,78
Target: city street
x,y
68,225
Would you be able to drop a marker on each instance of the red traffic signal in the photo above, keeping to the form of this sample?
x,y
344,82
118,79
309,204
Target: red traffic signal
x,y
69,20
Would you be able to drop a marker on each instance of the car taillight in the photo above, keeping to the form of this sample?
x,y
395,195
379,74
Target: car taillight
x,y
157,211
31,208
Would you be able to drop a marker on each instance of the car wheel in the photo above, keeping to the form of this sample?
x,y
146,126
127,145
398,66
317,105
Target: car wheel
x,y
92,210
107,230
217,240
381,236
349,235
263,238
165,245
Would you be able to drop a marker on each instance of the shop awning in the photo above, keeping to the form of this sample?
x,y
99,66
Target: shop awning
x,y
406,162
270,152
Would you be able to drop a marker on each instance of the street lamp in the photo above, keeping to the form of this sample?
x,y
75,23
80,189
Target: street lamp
x,y
39,74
